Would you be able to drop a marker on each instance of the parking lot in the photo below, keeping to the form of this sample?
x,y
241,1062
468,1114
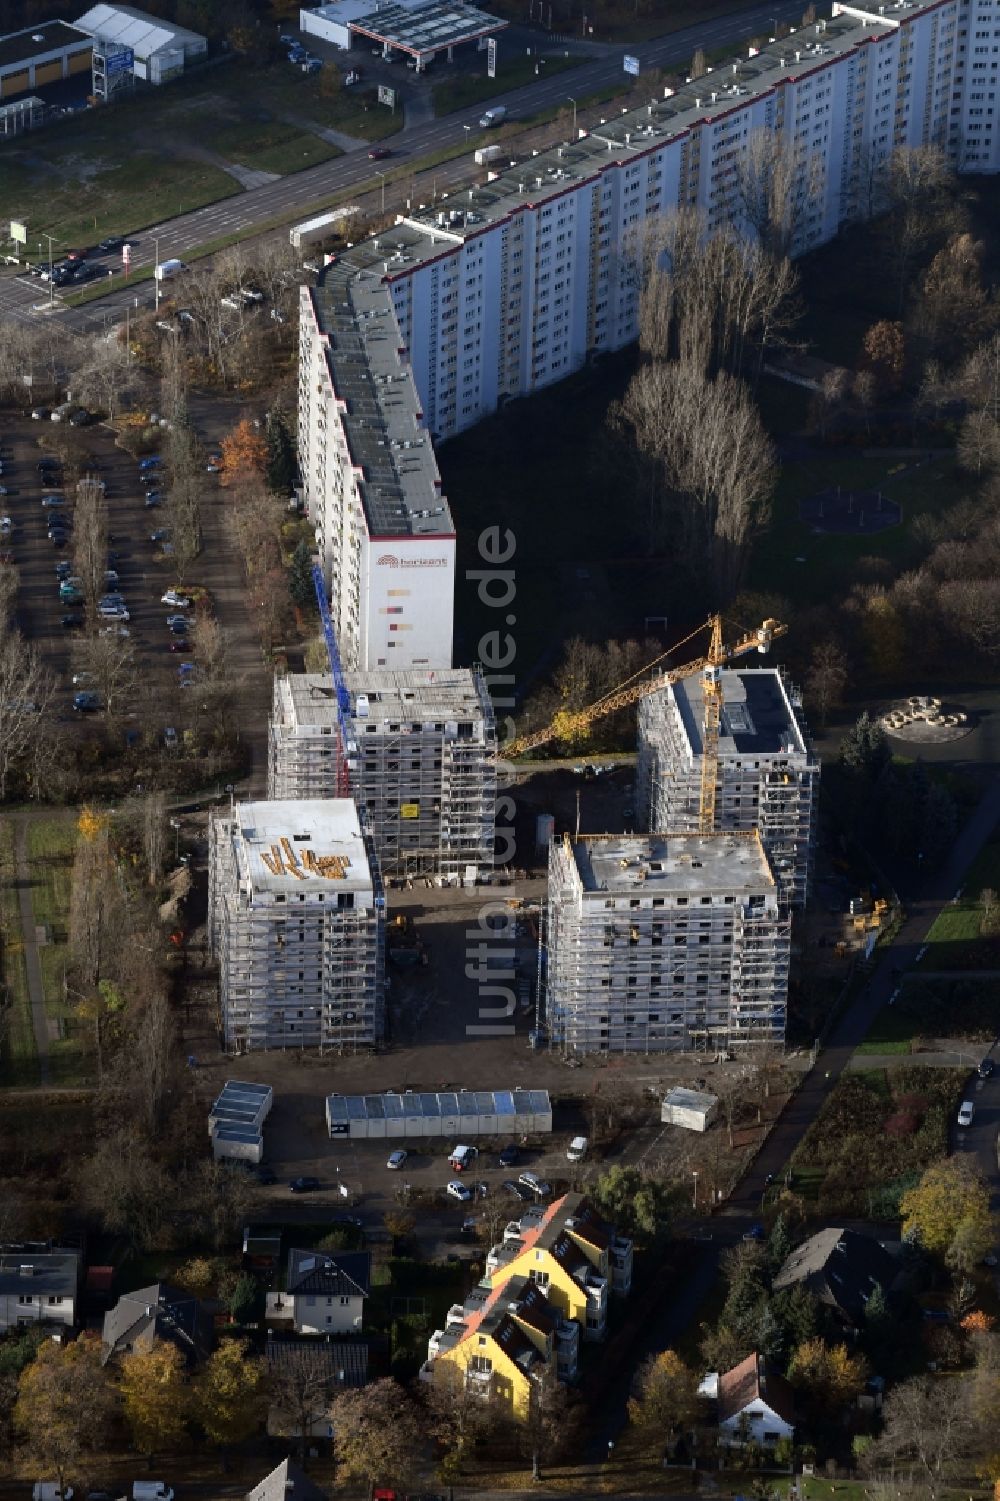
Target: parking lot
x,y
155,697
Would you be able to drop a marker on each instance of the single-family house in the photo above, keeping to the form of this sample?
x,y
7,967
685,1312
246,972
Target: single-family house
x,y
325,1291
304,1375
161,1312
573,1254
38,1287
286,1483
842,1268
754,1404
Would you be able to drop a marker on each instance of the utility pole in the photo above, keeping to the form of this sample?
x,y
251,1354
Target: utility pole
x,y
156,272
52,289
382,176
573,102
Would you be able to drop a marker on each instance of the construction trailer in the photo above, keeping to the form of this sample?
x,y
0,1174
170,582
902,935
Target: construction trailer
x,y
692,1109
420,747
507,1113
664,942
297,922
236,1121
767,774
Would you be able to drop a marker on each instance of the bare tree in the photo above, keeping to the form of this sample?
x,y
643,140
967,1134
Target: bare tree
x,y
184,495
827,677
928,1429
95,911
26,689
978,447
154,834
777,190
698,64
918,189
111,661
90,544
300,1394
105,377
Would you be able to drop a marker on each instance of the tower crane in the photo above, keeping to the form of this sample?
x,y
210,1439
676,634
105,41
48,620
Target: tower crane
x,y
570,722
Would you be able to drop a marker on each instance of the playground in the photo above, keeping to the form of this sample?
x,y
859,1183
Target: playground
x,y
845,512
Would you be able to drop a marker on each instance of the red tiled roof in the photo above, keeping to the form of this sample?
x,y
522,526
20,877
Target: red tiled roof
x,y
751,1380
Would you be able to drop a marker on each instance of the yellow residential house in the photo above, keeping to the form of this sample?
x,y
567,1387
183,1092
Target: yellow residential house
x,y
502,1339
573,1255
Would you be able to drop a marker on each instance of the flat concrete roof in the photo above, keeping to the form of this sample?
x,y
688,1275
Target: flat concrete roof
x,y
38,41
440,693
635,132
421,29
398,477
758,718
327,827
672,864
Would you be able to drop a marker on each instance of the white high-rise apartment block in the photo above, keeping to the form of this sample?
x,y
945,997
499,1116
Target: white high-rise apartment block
x,y
296,921
422,761
664,942
507,287
768,773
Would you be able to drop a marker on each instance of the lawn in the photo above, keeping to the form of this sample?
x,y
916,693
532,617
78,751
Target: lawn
x,y
267,145
18,1059
927,1009
51,842
955,940
875,1134
792,560
512,72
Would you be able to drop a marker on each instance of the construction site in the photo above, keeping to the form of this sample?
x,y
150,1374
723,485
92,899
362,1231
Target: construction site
x,y
665,942
420,756
297,924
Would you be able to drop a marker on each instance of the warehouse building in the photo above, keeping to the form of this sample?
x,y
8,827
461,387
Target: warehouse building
x,y
418,29
664,942
422,762
768,773
296,921
456,1114
37,55
160,51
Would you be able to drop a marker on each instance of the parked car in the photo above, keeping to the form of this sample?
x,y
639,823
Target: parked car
x,y
48,1490
985,1068
152,461
518,1190
966,1111
52,502
6,525
537,1185
86,703
170,737
113,242
160,535
266,1175
151,1490
459,1191
175,598
509,1155
180,643
396,1159
756,1232
71,622
303,1185
577,1149
177,622
153,499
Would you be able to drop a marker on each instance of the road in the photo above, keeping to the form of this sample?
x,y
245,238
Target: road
x,y
242,215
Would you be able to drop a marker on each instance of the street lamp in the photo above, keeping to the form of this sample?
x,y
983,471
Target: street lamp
x,y
573,102
382,176
175,824
156,272
694,1174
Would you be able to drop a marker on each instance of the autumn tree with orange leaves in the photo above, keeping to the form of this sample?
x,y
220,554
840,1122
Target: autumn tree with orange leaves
x,y
244,454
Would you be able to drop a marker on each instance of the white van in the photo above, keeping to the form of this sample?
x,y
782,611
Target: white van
x,y
966,1111
462,1158
577,1149
151,1490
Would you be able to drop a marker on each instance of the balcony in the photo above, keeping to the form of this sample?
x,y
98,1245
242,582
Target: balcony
x,y
621,1266
568,1349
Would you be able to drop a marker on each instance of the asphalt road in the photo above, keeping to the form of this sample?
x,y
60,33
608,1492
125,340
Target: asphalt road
x,y
241,215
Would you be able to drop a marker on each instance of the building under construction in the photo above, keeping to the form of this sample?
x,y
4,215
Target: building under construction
x,y
767,774
297,923
421,758
664,942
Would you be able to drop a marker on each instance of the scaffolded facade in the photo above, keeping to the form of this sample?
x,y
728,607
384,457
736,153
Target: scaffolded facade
x,y
664,942
767,778
297,923
422,762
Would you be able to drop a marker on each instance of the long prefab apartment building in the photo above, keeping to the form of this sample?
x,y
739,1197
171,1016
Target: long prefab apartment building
x,y
664,942
296,921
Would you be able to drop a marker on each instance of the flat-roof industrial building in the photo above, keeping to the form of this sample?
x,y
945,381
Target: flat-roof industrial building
x,y
664,942
37,55
160,51
296,920
420,29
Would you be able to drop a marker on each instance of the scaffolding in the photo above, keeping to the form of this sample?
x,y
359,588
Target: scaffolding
x,y
112,71
665,942
767,773
297,926
422,762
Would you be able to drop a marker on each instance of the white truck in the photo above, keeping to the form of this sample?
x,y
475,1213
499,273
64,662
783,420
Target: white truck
x,y
301,235
167,270
493,116
487,154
